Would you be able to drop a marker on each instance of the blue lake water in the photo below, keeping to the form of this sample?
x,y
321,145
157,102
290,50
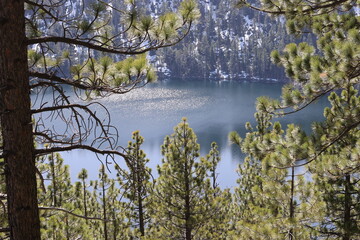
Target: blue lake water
x,y
213,109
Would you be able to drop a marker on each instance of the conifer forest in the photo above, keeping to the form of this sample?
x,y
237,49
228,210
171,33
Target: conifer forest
x,y
60,58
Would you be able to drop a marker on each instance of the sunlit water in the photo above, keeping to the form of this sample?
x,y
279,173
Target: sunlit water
x,y
213,109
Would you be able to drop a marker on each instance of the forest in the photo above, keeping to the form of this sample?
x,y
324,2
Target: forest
x,y
292,184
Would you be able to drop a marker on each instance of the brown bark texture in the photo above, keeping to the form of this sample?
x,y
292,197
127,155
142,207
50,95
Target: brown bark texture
x,y
16,126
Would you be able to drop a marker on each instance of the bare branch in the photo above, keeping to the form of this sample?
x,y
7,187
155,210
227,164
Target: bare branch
x,y
40,152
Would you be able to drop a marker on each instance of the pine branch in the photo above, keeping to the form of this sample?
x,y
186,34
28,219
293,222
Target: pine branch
x,y
324,148
73,214
106,48
61,107
40,152
82,85
309,102
40,6
309,10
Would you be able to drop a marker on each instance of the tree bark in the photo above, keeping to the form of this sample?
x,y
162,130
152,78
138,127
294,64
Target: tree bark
x,y
16,126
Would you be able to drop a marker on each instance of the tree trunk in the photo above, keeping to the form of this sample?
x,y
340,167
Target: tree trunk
x,y
84,199
292,207
15,116
347,209
104,203
188,224
140,205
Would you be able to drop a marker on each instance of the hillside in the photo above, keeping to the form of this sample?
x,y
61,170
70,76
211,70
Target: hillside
x,y
227,43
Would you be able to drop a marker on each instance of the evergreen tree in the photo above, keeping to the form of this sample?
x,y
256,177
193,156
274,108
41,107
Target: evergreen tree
x,y
219,225
336,172
184,201
136,185
81,190
58,202
330,152
102,186
272,200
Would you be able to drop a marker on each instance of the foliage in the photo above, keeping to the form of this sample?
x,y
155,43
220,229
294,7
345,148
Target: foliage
x,y
326,204
185,204
136,186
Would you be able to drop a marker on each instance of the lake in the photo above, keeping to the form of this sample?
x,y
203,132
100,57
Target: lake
x,y
213,109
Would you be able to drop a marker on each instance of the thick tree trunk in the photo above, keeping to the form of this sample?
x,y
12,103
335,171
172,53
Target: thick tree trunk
x,y
16,124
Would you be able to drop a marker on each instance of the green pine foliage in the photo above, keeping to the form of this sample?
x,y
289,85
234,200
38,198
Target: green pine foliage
x,y
184,201
136,186
60,194
115,207
323,203
336,172
273,201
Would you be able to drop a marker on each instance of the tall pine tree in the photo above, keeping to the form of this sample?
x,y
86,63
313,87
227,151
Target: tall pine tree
x,y
184,201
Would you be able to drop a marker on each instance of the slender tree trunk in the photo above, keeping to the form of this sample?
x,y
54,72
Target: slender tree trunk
x,y
15,116
114,223
54,179
104,205
292,207
139,187
347,209
84,199
188,224
141,208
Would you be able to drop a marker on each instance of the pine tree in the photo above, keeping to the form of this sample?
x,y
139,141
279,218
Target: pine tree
x,y
184,202
136,185
336,173
272,200
330,152
59,202
219,225
81,190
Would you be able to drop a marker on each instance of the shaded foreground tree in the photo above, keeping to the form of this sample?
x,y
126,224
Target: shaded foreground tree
x,y
34,35
330,154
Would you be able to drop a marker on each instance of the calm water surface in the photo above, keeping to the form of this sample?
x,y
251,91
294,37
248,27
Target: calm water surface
x,y
213,109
